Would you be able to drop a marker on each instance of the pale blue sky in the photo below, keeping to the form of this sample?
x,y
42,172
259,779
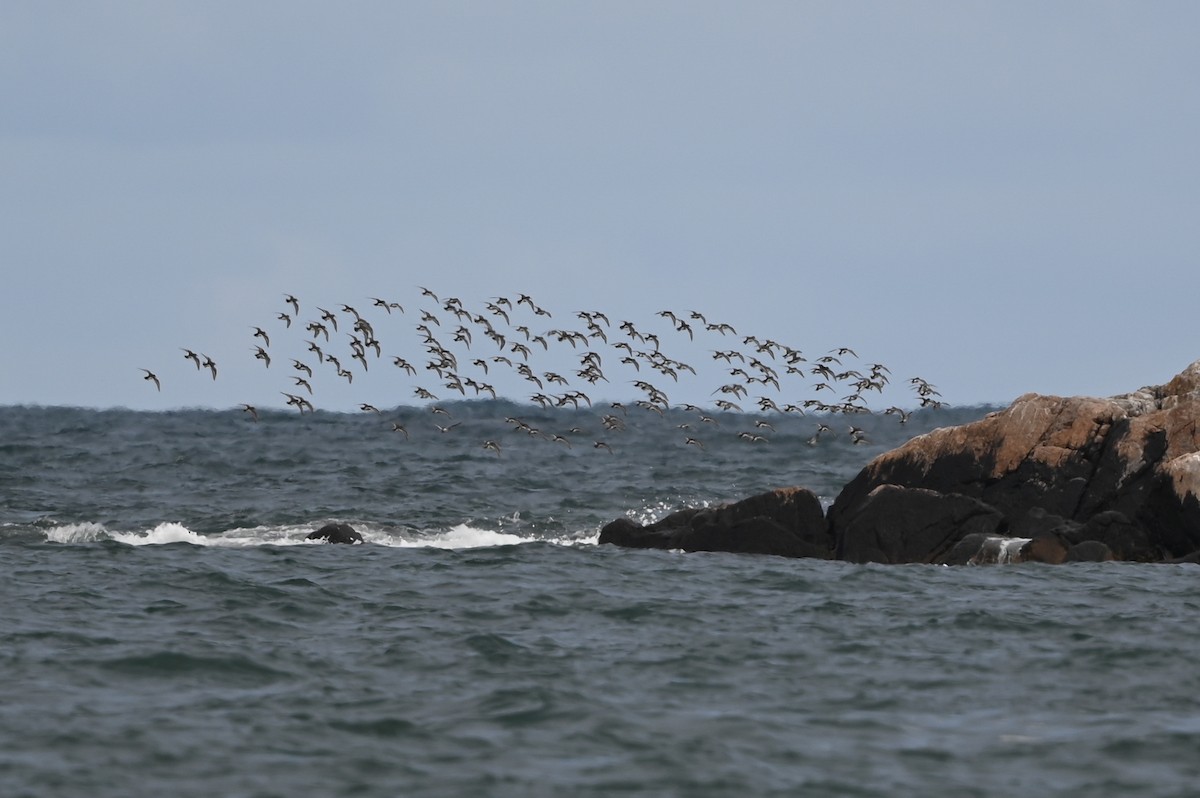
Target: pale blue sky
x,y
1000,197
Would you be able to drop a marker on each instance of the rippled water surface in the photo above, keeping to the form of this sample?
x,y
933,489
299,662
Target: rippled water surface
x,y
168,631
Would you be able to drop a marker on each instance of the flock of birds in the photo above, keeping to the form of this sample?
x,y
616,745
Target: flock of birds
x,y
463,350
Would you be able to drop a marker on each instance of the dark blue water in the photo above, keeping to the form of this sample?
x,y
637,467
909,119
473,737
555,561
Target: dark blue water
x,y
166,629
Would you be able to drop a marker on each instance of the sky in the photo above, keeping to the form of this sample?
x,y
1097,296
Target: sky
x,y
996,197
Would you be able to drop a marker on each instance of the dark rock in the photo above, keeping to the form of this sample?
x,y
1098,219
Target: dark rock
x,y
973,549
1123,472
912,525
758,535
788,522
983,549
630,534
336,533
1037,522
1089,551
1125,539
1046,548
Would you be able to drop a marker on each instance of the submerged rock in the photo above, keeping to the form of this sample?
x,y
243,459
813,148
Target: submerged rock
x,y
336,533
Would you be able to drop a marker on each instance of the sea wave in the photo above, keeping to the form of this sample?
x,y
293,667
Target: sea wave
x,y
460,536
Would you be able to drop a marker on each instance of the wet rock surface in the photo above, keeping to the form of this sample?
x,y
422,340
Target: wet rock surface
x,y
788,522
336,533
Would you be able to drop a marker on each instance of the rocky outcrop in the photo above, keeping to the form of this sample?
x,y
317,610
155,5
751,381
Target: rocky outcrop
x,y
787,522
1083,478
1050,479
336,533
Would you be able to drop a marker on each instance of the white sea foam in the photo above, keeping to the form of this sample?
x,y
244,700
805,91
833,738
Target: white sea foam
x,y
999,550
243,537
167,532
1010,548
656,511
87,532
590,540
461,536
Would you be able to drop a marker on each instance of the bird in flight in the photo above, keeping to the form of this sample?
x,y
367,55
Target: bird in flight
x,y
299,402
383,303
764,365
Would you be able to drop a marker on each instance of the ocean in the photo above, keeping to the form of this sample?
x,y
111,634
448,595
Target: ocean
x,y
167,629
